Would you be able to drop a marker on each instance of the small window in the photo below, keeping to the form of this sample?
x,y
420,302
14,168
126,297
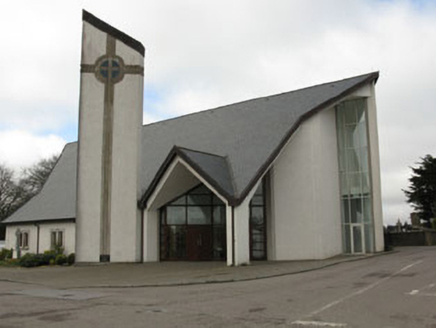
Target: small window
x,y
60,240
57,239
24,240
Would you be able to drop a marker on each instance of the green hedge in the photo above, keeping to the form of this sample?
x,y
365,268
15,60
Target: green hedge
x,y
53,257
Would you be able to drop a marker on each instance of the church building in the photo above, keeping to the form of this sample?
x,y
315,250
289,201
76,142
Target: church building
x,y
292,176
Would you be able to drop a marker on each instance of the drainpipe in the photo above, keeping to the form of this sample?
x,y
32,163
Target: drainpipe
x,y
37,238
233,236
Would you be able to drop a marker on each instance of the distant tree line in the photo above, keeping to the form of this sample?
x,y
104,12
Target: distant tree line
x,y
15,192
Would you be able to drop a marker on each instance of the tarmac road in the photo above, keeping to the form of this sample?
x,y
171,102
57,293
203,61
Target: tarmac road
x,y
396,290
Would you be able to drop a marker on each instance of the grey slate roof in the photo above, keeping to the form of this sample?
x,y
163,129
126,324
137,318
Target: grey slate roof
x,y
232,146
57,199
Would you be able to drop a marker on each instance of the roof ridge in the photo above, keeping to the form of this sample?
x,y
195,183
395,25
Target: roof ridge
x,y
259,98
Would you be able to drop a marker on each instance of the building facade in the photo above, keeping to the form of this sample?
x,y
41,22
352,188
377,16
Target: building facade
x,y
292,176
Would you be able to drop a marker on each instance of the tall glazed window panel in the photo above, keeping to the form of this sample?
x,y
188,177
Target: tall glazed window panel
x,y
193,227
258,225
355,182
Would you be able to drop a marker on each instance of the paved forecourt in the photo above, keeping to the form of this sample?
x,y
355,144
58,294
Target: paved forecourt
x,y
396,290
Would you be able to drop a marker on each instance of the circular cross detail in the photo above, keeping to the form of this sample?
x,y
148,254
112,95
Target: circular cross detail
x,y
109,69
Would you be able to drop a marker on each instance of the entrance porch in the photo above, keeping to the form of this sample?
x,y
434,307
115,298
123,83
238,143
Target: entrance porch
x,y
187,219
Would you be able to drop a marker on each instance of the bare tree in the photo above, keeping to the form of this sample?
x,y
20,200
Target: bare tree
x,y
11,196
33,178
14,194
10,193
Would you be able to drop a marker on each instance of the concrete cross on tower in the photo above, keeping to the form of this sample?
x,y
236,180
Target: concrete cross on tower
x,y
109,127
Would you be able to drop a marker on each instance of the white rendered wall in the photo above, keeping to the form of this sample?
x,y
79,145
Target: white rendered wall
x,y
11,238
242,233
89,150
151,235
177,180
45,229
125,215
122,239
69,231
305,211
374,157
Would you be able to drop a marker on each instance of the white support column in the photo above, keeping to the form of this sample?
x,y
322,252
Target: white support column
x,y
151,236
242,233
229,235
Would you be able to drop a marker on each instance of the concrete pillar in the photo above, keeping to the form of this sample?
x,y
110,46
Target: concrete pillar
x,y
229,235
110,119
242,233
151,235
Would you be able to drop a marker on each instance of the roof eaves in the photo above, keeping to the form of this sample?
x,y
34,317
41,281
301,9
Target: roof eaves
x,y
371,77
256,99
34,221
179,151
230,198
166,163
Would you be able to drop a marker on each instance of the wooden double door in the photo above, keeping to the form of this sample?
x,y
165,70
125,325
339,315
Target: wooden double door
x,y
191,243
199,243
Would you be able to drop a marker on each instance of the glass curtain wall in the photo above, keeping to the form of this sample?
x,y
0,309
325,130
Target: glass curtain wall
x,y
193,227
355,182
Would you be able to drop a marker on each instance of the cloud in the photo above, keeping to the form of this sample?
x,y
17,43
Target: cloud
x,y
203,54
24,149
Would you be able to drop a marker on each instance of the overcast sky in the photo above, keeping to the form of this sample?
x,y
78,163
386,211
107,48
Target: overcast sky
x,y
202,54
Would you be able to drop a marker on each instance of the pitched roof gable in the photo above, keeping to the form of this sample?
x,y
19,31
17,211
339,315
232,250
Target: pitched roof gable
x,y
213,168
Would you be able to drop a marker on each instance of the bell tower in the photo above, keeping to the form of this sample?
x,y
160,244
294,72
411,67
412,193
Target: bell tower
x,y
110,120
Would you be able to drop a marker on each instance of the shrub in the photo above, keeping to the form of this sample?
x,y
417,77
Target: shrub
x,y
52,257
71,259
29,260
61,259
49,256
59,250
5,254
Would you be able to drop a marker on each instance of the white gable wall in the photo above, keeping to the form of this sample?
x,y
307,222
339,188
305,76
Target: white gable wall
x,y
176,181
304,184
